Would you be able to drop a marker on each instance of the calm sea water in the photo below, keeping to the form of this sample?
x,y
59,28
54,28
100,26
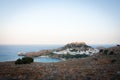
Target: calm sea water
x,y
9,52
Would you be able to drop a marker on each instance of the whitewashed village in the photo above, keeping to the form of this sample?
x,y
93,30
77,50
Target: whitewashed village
x,y
74,48
72,52
77,48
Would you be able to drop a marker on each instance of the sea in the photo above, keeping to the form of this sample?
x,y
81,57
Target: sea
x,y
10,52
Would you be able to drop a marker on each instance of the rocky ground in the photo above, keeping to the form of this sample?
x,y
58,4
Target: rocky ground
x,y
97,67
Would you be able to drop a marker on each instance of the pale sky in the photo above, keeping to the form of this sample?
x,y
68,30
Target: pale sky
x,y
59,21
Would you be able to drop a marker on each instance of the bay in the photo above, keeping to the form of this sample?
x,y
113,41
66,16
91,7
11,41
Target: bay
x,y
9,52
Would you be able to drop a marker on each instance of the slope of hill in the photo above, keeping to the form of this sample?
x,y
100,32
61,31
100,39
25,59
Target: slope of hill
x,y
81,46
100,66
71,48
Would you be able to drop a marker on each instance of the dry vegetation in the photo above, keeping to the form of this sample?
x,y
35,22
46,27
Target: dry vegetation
x,y
97,67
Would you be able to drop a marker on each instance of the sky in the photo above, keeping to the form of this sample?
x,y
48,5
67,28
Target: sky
x,y
59,21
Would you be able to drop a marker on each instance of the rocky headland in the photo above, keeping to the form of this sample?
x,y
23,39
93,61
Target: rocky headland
x,y
71,49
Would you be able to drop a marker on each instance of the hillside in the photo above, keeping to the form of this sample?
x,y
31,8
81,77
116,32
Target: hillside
x,y
100,66
71,48
81,46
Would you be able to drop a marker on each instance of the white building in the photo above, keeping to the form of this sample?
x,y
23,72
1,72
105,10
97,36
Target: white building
x,y
68,51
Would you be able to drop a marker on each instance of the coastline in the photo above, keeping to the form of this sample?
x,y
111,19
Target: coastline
x,y
12,50
103,66
74,69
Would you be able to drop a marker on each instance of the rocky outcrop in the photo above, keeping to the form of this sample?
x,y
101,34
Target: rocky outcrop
x,y
79,46
36,54
71,48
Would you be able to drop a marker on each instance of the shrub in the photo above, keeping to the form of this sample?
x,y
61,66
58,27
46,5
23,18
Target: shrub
x,y
106,51
68,56
18,61
27,60
118,45
111,53
113,60
51,53
101,50
24,60
88,78
95,59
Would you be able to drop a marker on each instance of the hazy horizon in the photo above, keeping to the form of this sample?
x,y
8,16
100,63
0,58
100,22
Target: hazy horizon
x,y
34,22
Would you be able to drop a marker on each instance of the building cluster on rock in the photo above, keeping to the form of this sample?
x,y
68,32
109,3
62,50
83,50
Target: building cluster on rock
x,y
73,48
76,48
74,52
